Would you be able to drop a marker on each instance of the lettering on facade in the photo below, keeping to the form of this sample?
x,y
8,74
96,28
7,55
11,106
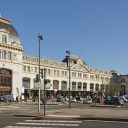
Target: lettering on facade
x,y
5,72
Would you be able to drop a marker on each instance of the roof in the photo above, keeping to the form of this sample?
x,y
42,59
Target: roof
x,y
5,24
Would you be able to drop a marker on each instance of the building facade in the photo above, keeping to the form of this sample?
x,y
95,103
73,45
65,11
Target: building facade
x,y
121,83
18,71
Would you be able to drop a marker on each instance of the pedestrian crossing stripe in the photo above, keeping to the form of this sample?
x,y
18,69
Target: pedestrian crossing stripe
x,y
65,116
26,127
47,124
54,121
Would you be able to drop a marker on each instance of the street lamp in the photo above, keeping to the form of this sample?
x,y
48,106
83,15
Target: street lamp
x,y
68,52
39,82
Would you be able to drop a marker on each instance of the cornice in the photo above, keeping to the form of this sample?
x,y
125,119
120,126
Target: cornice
x,y
17,48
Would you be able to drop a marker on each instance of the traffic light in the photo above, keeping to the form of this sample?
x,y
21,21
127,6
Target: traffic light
x,y
37,77
41,73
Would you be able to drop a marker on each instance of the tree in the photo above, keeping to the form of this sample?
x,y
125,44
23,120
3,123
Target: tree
x,y
112,89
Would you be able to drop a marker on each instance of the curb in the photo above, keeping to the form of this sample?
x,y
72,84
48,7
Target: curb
x,y
71,117
103,119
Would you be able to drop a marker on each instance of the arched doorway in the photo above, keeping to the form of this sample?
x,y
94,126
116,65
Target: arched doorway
x,y
5,81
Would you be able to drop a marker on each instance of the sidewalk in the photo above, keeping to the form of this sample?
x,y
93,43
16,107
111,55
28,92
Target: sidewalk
x,y
81,114
106,112
89,113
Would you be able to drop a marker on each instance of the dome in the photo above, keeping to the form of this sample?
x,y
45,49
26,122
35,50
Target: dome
x,y
5,25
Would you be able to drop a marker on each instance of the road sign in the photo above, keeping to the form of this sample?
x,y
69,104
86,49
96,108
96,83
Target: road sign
x,y
38,84
48,85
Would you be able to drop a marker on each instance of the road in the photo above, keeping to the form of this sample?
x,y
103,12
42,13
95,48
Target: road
x,y
8,120
31,123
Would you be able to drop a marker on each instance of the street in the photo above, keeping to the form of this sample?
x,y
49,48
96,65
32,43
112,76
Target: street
x,y
30,123
9,117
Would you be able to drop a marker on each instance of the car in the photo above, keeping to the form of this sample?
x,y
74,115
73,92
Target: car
x,y
44,100
107,100
73,99
114,101
87,101
2,99
117,101
125,99
59,99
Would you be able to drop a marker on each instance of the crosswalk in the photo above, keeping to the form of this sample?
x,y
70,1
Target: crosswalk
x,y
46,124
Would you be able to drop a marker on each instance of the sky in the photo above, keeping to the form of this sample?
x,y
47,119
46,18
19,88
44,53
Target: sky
x,y
95,30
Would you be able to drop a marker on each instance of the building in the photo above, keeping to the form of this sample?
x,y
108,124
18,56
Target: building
x,y
18,71
121,83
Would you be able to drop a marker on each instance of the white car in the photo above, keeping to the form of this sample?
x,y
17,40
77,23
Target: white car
x,y
87,101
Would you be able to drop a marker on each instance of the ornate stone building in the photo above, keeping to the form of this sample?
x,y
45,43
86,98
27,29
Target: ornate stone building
x,y
121,84
18,71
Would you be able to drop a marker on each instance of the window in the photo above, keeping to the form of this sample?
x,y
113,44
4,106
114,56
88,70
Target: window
x,y
91,87
24,68
79,75
97,87
64,73
63,85
85,76
48,71
79,85
74,74
73,86
26,82
102,87
97,77
84,86
4,38
57,72
9,55
55,84
35,69
4,54
91,76
28,68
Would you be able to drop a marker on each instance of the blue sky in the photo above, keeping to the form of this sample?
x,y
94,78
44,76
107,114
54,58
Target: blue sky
x,y
96,30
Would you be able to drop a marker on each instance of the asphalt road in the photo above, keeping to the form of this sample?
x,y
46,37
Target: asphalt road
x,y
7,118
103,124
30,123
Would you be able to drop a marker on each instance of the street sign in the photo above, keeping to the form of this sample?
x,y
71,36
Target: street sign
x,y
48,85
38,84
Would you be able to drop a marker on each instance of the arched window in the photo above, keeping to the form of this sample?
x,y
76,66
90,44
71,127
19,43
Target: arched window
x,y
91,87
84,86
63,85
26,82
79,85
5,81
73,86
55,84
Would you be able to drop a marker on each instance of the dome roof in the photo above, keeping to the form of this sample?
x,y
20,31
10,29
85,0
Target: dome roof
x,y
13,36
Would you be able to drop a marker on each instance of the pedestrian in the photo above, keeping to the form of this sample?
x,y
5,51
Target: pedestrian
x,y
17,99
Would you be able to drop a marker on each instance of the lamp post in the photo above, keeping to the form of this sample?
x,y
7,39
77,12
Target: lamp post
x,y
68,52
39,82
44,92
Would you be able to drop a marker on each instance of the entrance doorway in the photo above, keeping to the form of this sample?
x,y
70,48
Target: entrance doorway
x,y
5,81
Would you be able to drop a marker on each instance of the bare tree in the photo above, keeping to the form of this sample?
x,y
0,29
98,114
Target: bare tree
x,y
112,89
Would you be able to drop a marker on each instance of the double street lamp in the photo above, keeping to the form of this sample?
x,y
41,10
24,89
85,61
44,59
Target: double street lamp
x,y
68,52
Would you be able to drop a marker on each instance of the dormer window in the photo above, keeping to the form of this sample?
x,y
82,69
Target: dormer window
x,y
4,38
